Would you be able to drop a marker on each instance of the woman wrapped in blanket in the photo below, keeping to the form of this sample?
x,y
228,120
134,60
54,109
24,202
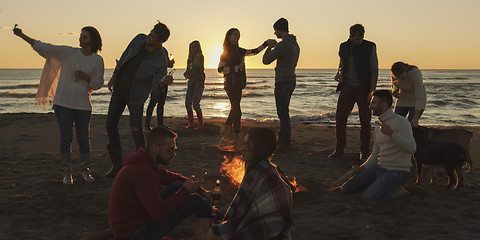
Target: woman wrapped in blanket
x,y
262,206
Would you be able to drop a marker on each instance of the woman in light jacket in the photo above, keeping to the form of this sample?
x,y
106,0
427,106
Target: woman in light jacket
x,y
68,79
408,88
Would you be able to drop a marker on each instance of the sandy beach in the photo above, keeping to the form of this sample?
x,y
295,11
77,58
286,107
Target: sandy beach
x,y
34,204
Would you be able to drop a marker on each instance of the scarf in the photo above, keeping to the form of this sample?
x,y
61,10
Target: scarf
x,y
48,83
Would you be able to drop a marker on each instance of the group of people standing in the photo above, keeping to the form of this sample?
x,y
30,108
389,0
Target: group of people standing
x,y
139,207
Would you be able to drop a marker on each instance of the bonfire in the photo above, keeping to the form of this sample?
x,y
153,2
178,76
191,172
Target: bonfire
x,y
234,169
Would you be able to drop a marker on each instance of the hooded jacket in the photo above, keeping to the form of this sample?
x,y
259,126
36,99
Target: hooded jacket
x,y
136,194
286,53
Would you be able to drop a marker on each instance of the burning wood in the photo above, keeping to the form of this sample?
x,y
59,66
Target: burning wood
x,y
297,187
234,169
227,148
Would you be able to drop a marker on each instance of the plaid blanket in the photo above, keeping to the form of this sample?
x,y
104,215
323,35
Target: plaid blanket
x,y
261,209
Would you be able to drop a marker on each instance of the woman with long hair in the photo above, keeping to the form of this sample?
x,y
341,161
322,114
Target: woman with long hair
x,y
195,74
262,206
69,77
408,88
232,65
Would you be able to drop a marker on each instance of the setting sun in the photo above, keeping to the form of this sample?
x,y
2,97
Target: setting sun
x,y
212,55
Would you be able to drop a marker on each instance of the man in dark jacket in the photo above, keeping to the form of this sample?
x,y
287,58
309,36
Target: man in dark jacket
x,y
357,76
143,65
138,207
286,53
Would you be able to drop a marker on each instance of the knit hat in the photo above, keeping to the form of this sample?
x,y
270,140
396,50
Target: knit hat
x,y
281,25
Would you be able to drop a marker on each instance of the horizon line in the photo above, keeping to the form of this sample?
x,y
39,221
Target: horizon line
x,y
274,69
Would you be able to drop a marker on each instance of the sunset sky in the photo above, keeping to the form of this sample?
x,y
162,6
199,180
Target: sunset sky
x,y
432,34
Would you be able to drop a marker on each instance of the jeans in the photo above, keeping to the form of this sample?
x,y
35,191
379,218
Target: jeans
x,y
378,183
121,98
403,111
152,229
66,117
283,93
194,95
156,98
235,114
346,100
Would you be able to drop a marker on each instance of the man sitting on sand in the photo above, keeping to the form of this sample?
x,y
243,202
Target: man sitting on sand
x,y
138,208
262,207
383,174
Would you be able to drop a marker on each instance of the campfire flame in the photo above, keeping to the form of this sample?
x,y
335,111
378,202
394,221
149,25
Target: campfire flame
x,y
234,169
296,186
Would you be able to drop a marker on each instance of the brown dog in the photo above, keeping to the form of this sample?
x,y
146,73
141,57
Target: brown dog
x,y
458,135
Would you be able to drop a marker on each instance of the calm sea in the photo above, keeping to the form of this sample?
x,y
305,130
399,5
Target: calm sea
x,y
453,96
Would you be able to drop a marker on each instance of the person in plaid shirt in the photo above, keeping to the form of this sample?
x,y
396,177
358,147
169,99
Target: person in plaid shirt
x,y
262,207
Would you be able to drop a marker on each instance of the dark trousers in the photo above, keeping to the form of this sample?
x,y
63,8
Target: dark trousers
x,y
66,118
121,98
347,99
235,114
404,111
193,204
283,94
156,99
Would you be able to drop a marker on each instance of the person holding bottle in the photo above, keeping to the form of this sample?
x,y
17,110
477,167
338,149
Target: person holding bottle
x,y
408,88
141,68
69,77
158,98
262,206
195,74
232,65
147,201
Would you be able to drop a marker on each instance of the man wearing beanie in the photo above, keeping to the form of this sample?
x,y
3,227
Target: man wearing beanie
x,y
286,53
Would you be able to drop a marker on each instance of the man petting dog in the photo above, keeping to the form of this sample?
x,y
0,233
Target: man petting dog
x,y
383,174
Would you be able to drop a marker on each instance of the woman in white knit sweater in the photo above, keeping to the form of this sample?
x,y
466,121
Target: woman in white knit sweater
x,y
408,88
68,79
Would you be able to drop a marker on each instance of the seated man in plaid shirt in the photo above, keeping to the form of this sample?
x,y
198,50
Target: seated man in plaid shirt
x,y
262,207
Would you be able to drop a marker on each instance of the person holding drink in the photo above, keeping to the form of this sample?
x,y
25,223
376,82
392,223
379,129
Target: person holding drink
x,y
69,77
232,65
158,98
142,66
148,201
408,88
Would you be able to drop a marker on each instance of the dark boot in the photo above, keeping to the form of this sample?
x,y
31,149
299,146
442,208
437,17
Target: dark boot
x,y
66,165
84,165
116,158
200,120
191,120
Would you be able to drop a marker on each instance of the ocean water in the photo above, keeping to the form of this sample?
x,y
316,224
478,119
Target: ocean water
x,y
453,96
